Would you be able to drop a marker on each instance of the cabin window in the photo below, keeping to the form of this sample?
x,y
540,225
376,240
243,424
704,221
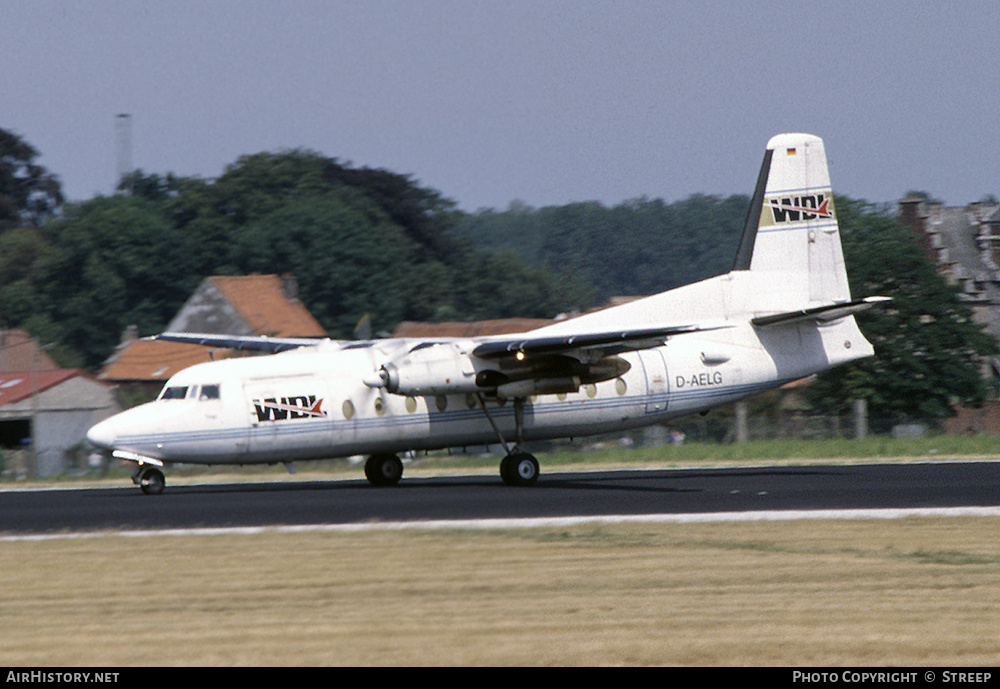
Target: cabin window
x,y
620,386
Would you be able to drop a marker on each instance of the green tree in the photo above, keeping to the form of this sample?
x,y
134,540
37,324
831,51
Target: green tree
x,y
114,262
424,214
29,194
928,348
348,257
20,250
29,197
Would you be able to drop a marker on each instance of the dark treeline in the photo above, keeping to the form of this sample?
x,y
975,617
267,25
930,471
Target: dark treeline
x,y
638,247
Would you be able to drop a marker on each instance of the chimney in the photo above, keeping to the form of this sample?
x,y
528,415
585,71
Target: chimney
x,y
913,215
130,335
290,287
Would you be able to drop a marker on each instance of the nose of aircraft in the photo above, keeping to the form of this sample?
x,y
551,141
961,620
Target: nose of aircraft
x,y
102,435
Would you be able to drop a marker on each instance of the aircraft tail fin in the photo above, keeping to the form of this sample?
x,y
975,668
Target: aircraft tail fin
x,y
791,227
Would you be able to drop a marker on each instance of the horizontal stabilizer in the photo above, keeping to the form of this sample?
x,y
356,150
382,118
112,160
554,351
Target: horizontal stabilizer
x,y
609,343
822,314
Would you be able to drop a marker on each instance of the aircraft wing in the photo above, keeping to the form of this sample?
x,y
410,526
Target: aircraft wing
x,y
826,313
607,343
603,343
260,343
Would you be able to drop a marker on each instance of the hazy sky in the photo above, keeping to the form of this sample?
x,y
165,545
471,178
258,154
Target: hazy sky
x,y
546,102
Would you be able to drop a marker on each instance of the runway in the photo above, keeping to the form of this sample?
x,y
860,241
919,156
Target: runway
x,y
471,499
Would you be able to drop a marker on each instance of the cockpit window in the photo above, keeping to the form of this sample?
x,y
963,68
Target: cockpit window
x,y
209,392
174,393
191,392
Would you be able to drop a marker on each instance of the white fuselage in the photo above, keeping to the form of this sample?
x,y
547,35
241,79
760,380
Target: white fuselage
x,y
313,403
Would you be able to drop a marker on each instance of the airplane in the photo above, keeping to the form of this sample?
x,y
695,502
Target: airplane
x,y
783,312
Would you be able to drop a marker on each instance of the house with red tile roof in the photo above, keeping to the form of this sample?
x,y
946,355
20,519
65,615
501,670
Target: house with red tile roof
x,y
247,305
44,417
223,305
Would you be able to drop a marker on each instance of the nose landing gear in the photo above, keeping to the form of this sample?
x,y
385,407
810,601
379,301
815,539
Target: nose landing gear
x,y
149,479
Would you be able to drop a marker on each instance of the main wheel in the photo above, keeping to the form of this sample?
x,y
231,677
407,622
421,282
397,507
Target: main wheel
x,y
519,469
151,481
383,470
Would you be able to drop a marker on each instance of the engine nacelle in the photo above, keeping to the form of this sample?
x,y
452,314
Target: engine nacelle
x,y
445,369
435,369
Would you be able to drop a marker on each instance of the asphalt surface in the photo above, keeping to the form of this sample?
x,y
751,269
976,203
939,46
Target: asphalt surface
x,y
610,493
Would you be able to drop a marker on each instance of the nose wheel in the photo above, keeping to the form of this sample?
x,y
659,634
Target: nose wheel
x,y
150,480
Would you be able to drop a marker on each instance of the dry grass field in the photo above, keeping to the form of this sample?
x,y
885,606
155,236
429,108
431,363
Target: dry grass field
x,y
917,591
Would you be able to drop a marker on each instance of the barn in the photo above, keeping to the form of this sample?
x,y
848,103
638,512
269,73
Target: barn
x,y
44,418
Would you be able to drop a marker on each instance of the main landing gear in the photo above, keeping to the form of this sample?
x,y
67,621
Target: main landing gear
x,y
518,468
383,470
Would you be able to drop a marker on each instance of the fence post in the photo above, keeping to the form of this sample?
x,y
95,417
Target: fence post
x,y
861,418
742,433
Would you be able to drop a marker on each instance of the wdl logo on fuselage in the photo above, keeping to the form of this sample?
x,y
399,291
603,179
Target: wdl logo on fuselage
x,y
798,208
298,407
